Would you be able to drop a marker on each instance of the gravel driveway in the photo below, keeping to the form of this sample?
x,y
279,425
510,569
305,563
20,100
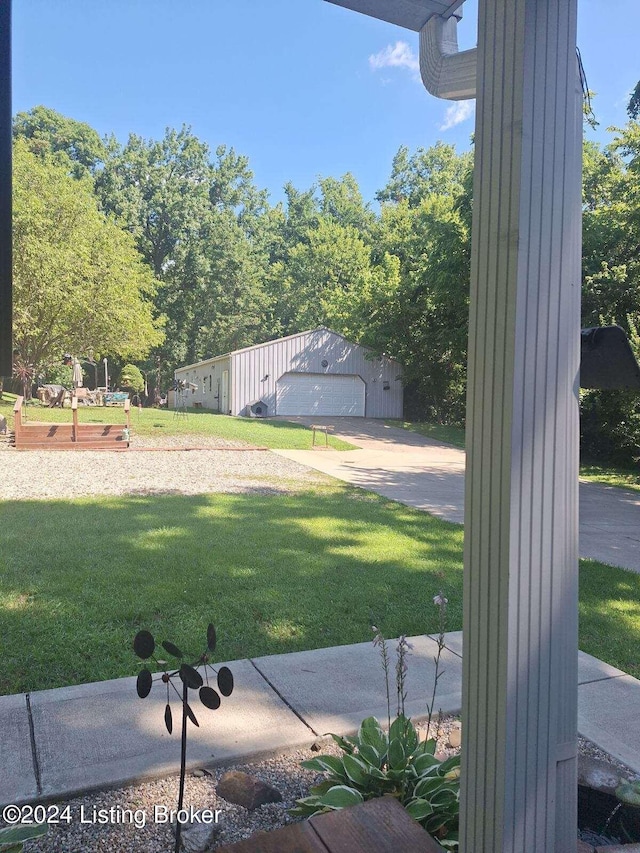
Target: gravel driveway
x,y
41,474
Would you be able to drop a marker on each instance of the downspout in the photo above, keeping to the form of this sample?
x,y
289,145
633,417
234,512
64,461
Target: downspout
x,y
446,72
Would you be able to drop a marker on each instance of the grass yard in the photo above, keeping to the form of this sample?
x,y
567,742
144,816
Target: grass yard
x,y
440,432
624,478
276,573
161,423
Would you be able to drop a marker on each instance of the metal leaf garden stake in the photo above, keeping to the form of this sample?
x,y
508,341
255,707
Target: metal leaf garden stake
x,y
144,646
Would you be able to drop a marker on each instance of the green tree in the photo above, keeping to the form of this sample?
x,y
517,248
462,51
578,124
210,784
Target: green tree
x,y
80,285
610,420
195,219
331,280
71,143
414,177
633,107
132,378
425,224
321,267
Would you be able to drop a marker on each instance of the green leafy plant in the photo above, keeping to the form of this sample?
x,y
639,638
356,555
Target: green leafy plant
x,y
132,378
397,764
629,793
12,838
59,374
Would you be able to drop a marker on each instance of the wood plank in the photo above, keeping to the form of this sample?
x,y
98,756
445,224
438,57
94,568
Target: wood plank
x,y
46,429
378,826
297,838
107,446
101,432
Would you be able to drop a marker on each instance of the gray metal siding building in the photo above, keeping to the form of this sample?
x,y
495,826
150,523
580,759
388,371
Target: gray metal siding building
x,y
318,372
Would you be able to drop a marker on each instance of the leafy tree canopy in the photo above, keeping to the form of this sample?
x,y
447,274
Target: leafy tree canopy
x,y
73,143
80,285
633,107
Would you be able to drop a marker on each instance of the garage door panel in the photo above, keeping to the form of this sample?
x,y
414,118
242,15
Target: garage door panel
x,y
320,394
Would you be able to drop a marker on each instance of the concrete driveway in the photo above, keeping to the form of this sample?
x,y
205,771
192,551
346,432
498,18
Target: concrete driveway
x,y
429,475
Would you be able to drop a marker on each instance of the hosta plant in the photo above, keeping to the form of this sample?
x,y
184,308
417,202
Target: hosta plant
x,y
12,838
398,764
629,795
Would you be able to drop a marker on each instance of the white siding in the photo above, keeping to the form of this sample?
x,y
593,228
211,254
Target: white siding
x,y
256,370
207,375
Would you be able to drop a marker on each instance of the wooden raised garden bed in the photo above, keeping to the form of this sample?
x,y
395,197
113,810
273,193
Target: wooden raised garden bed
x,y
72,436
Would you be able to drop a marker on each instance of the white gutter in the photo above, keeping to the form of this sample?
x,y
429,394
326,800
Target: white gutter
x,y
446,72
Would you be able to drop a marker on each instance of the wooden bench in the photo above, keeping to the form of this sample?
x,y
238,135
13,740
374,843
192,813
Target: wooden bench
x,y
378,826
324,428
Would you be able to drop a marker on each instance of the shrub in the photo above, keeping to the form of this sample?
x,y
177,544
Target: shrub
x,y
132,378
375,763
610,427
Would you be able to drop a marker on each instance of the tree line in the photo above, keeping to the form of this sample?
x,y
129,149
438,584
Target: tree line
x,y
164,252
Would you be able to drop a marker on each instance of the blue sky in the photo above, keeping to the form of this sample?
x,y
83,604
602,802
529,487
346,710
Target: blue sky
x,y
302,87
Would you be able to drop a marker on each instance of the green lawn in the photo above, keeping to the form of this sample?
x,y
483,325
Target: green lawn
x,y
161,423
440,432
620,477
623,478
276,573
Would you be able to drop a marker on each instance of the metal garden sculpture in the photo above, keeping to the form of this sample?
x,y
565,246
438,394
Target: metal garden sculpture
x,y
144,646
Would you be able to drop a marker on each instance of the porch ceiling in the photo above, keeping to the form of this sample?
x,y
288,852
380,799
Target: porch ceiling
x,y
411,14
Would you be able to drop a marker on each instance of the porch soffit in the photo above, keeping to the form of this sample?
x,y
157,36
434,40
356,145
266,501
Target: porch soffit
x,y
411,14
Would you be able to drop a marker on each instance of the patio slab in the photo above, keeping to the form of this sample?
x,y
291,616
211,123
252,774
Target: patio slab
x,y
18,778
102,735
335,689
590,668
609,715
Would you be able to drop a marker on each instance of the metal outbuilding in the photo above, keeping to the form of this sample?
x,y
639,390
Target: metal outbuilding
x,y
317,372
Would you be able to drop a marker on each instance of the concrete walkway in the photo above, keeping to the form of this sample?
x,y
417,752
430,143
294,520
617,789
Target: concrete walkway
x,y
429,475
57,743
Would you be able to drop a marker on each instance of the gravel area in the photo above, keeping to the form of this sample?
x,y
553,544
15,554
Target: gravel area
x,y
283,772
586,747
171,470
235,821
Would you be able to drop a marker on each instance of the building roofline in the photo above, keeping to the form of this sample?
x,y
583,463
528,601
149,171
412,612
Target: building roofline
x,y
204,361
277,340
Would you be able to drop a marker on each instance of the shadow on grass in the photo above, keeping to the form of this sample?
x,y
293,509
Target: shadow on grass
x,y
276,573
610,615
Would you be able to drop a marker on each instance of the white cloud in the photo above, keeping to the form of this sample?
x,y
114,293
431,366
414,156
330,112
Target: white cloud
x,y
457,113
398,55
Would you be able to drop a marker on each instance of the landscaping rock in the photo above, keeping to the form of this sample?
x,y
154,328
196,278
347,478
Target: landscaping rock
x,y
455,737
619,848
245,790
583,847
198,837
599,775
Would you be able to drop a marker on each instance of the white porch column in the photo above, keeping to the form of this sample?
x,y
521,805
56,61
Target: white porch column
x,y
521,511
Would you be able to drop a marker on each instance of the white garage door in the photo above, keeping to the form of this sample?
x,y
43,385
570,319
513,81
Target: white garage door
x,y
319,394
